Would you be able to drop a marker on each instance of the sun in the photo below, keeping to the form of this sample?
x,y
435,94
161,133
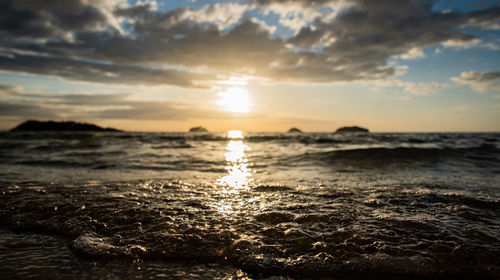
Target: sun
x,y
234,99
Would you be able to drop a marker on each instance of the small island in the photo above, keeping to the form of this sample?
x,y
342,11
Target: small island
x,y
198,129
294,130
352,129
32,125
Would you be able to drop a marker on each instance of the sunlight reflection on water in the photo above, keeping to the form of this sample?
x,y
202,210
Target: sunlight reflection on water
x,y
235,134
239,176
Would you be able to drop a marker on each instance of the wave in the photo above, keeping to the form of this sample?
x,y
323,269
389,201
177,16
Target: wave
x,y
94,164
305,138
173,146
372,156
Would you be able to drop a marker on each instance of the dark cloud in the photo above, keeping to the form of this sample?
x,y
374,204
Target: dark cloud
x,y
480,81
83,100
371,32
80,70
9,90
247,45
47,19
483,76
301,2
486,19
81,40
10,109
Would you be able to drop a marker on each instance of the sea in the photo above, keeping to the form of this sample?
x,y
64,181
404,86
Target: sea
x,y
237,205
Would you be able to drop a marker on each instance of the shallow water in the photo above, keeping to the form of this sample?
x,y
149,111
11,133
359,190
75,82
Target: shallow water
x,y
40,256
298,205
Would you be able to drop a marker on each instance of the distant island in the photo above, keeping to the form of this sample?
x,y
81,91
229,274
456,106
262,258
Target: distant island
x,y
351,129
294,130
198,129
32,125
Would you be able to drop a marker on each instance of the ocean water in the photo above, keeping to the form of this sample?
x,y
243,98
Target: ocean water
x,y
249,205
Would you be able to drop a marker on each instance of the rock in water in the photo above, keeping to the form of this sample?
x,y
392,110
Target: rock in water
x,y
198,129
32,125
294,130
352,129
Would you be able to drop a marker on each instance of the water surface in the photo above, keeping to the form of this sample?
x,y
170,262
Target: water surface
x,y
161,205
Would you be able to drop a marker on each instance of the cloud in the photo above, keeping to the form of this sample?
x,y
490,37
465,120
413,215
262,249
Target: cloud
x,y
32,19
313,3
422,89
461,44
113,42
293,15
101,100
222,15
26,110
485,19
16,102
89,71
474,43
7,90
150,110
413,54
479,81
491,46
419,89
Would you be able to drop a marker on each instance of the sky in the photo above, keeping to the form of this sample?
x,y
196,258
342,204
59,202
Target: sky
x,y
252,65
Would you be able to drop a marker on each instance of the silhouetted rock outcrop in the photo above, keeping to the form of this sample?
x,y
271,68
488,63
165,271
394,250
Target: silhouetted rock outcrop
x,y
294,130
198,129
352,129
59,126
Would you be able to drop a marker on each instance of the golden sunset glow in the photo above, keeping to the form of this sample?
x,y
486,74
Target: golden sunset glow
x,y
234,99
250,139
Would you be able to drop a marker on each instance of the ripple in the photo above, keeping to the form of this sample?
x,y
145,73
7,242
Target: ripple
x,y
382,230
